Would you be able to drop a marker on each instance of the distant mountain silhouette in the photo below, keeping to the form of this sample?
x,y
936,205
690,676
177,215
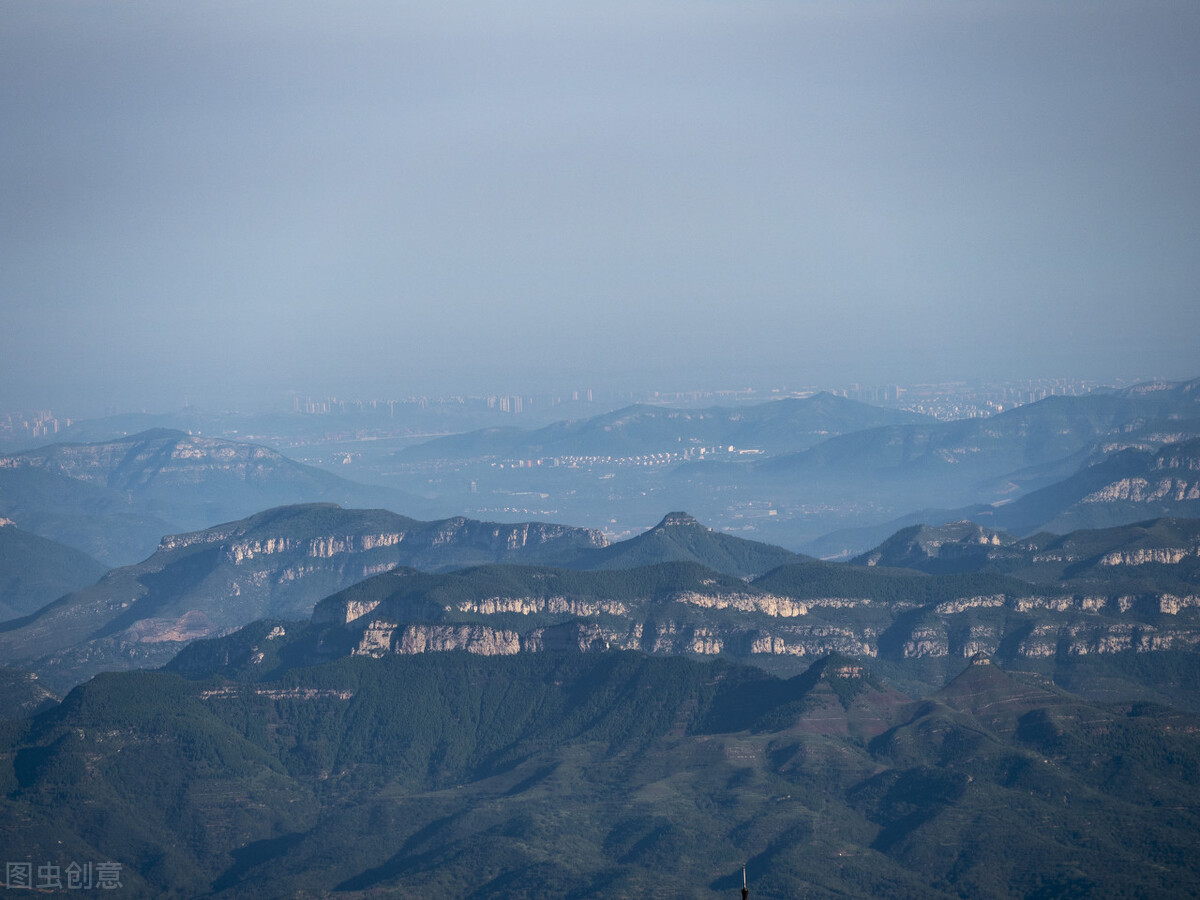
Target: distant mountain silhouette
x,y
115,499
1120,486
780,426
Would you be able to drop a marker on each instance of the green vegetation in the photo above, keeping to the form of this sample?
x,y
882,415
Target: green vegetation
x,y
888,586
609,774
35,571
21,694
276,563
408,588
680,538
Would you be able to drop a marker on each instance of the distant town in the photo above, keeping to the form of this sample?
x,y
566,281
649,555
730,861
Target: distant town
x,y
40,423
945,401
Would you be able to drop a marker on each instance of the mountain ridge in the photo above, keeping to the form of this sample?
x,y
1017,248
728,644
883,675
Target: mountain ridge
x,y
680,537
280,562
774,426
915,625
160,481
1118,486
276,563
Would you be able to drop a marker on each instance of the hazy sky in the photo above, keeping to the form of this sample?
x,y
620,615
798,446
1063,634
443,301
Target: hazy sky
x,y
209,199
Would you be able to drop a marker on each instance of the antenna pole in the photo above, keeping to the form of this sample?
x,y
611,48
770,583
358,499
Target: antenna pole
x,y
745,890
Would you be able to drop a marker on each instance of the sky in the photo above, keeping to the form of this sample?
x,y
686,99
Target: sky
x,y
212,202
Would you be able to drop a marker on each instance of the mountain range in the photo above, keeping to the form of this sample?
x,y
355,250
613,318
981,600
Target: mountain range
x,y
1117,488
825,475
355,703
678,588
996,461
778,426
792,472
381,583
1084,600
1017,443
1108,489
277,563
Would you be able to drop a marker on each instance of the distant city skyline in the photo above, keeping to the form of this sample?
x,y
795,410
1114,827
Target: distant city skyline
x,y
945,400
220,203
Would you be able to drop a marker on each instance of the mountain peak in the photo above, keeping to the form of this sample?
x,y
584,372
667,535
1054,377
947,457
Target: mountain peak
x,y
952,547
983,688
674,519
838,665
680,538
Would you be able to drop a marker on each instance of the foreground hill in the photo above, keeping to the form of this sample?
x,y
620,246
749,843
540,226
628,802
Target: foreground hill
x,y
278,563
114,500
34,571
601,775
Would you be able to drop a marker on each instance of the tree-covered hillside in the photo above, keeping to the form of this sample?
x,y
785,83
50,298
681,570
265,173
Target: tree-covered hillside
x,y
603,775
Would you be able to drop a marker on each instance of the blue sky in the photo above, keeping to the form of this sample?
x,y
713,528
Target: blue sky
x,y
217,201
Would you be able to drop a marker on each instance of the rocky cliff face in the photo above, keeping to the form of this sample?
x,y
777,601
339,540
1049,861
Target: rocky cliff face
x,y
170,456
1162,555
1145,490
1125,487
511,537
380,637
275,564
252,538
920,545
751,625
320,547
